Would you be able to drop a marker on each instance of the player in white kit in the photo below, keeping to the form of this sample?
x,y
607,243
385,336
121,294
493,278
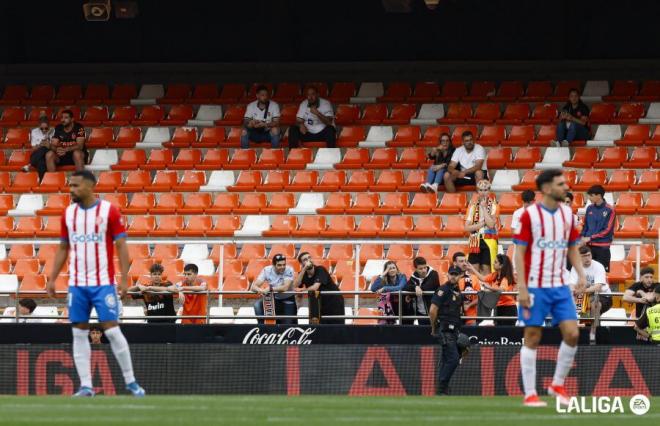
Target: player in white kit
x,y
91,229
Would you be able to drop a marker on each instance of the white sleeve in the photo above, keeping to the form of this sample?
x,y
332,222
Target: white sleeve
x,y
573,278
456,156
275,109
515,219
301,111
600,276
249,112
35,137
262,275
327,109
480,154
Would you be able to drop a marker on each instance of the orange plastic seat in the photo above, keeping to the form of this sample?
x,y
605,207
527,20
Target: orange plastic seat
x,y
382,158
26,227
223,203
14,94
602,113
168,226
141,226
211,137
100,137
589,178
336,203
481,91
16,161
422,204
135,251
515,113
647,254
492,135
654,231
214,159
178,115
393,203
628,202
486,113
452,91
282,226
635,135
195,204
371,251
24,182
136,181
150,115
254,268
369,227
95,116
122,116
280,203
520,135
183,137
12,116
397,227
543,114
297,159
454,227
229,251
52,182
127,137
456,114
457,134
528,181
360,180
388,181
620,180
426,227
413,180
247,180
497,158
164,181
311,226
452,204
242,159
613,157
620,271
425,92
275,181
365,203
231,92
396,92
505,230
509,202
231,267
354,158
233,116
350,136
118,200
432,136
629,113
25,267
411,158
287,92
650,91
251,251
401,114
35,283
16,251
159,159
583,158
52,229
341,92
347,115
641,157
303,181
563,87
546,134
130,159
122,94
340,227
649,180
269,159
168,203
141,203
252,204
225,226
7,203
340,252
622,90
197,226
175,93
406,136
632,227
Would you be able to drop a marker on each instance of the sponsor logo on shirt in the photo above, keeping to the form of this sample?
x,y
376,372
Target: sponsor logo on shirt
x,y
543,244
87,238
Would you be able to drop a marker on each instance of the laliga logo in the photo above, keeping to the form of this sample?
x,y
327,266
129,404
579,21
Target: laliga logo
x,y
639,405
287,337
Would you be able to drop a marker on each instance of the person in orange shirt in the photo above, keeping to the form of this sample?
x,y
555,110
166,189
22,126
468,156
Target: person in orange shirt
x,y
193,304
469,286
501,280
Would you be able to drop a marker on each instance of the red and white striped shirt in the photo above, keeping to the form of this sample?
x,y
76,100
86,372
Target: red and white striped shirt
x,y
91,234
547,235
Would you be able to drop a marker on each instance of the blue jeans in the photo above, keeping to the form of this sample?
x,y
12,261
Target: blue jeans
x,y
569,134
435,177
282,307
258,135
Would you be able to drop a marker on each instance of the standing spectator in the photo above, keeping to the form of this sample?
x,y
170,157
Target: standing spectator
x,y
527,200
314,121
67,144
467,165
596,283
40,141
278,278
569,202
501,280
573,120
482,221
261,122
157,296
391,281
317,278
598,228
469,286
425,278
194,304
95,335
441,156
648,325
641,293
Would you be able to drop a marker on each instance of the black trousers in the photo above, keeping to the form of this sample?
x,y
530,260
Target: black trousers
x,y
506,311
329,135
38,160
602,255
449,360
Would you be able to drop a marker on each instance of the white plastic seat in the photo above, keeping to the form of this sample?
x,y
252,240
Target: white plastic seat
x,y
195,252
594,90
652,115
253,226
243,313
614,313
47,310
27,205
348,311
428,115
3,252
378,136
224,311
308,203
206,115
617,252
206,266
133,311
154,137
303,315
369,92
149,94
325,159
219,181
505,179
103,159
608,132
554,158
373,268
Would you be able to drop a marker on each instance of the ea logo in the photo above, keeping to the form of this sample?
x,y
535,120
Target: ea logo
x,y
110,300
640,404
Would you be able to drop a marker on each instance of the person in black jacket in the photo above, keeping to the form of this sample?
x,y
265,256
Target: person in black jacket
x,y
425,278
317,278
441,157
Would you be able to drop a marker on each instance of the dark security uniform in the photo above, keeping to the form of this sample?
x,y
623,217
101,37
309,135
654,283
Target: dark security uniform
x,y
449,301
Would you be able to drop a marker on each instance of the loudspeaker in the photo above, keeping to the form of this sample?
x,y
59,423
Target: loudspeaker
x,y
126,9
97,10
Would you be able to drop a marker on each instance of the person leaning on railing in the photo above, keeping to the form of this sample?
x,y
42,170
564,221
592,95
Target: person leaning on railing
x,y
501,280
387,285
648,325
316,278
157,296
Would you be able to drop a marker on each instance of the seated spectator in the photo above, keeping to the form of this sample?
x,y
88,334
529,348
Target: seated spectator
x,y
40,141
482,221
276,278
573,120
194,304
425,278
598,230
25,309
642,293
67,145
596,283
387,285
527,200
262,121
441,156
501,280
467,165
157,296
648,325
95,335
317,278
314,121
469,286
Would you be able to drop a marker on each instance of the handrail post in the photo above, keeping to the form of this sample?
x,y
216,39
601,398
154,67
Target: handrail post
x,y
400,308
638,254
356,300
221,273
17,312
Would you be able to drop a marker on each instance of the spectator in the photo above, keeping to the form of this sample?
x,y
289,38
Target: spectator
x,y
40,141
648,325
95,335
569,202
425,278
441,156
194,304
391,281
25,309
278,278
528,197
262,121
598,229
642,293
67,144
314,121
157,296
469,286
501,280
573,120
596,283
317,278
467,165
482,221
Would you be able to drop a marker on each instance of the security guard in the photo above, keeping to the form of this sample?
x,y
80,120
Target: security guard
x,y
648,325
445,316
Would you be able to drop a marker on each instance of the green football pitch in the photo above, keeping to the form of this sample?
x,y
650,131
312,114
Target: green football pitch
x,y
304,410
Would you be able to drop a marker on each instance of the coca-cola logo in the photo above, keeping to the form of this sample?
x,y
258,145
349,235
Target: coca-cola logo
x,y
290,336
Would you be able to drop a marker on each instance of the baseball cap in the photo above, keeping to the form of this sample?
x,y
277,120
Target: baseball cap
x,y
278,258
455,270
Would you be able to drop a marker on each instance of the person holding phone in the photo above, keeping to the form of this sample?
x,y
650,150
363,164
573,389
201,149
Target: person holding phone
x,y
261,122
314,121
573,120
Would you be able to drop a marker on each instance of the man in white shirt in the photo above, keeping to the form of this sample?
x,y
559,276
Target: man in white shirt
x,y
25,309
261,122
40,141
314,121
278,279
596,282
467,165
527,199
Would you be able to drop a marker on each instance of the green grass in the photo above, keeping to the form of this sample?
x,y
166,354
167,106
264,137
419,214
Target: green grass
x,y
304,410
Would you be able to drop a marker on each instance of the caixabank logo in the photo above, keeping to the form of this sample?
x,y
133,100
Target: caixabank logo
x,y
638,404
